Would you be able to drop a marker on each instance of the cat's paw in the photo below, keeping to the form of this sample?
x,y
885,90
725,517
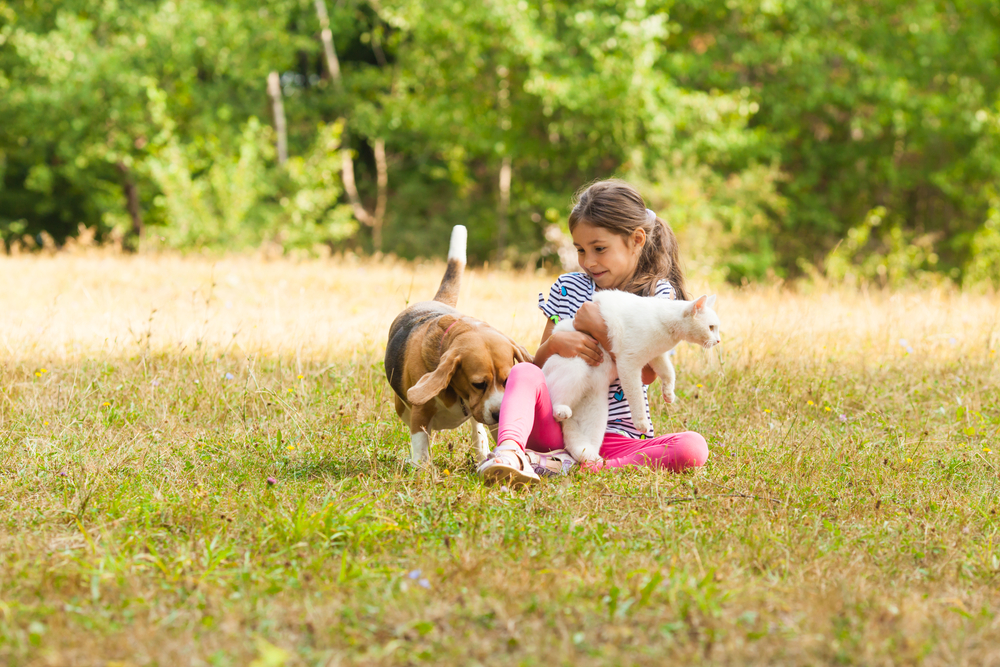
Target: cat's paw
x,y
587,455
562,412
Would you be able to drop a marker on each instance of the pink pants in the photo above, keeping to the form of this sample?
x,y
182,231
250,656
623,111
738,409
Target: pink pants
x,y
526,418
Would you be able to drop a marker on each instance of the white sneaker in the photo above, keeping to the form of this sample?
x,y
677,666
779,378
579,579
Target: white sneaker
x,y
507,464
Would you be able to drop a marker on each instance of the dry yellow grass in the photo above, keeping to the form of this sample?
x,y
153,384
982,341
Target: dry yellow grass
x,y
847,514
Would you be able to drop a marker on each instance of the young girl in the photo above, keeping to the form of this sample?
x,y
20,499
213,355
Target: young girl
x,y
621,245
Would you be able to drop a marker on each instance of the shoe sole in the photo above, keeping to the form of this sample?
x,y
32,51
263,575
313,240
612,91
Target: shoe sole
x,y
498,474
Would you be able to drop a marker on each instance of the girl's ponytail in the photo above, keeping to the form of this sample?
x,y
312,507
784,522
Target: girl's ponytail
x,y
660,259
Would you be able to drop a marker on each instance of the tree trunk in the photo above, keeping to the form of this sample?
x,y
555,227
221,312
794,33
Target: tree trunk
x,y
326,35
278,109
374,220
503,206
382,176
138,230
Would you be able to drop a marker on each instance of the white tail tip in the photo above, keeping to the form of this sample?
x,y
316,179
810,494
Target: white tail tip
x,y
456,250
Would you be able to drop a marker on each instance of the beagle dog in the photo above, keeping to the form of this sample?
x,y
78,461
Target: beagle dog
x,y
445,367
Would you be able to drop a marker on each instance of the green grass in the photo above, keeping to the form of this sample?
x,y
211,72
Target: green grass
x,y
137,524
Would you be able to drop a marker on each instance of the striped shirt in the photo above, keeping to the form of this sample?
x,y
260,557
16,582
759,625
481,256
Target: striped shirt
x,y
568,293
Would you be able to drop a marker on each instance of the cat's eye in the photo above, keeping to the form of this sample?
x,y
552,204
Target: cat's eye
x,y
711,327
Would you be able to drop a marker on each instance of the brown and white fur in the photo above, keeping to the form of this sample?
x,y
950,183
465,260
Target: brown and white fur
x,y
641,331
445,367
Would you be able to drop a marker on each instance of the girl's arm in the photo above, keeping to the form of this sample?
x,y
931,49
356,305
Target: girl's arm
x,y
567,344
588,320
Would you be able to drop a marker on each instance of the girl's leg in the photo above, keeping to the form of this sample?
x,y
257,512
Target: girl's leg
x,y
526,422
676,451
526,411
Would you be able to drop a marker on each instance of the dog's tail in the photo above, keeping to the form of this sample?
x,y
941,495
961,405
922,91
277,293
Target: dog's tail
x,y
452,281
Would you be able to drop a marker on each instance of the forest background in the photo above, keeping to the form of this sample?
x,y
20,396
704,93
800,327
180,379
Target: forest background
x,y
847,138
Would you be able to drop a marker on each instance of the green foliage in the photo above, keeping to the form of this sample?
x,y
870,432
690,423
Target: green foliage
x,y
764,131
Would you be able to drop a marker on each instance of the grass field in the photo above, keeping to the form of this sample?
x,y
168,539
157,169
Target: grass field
x,y
847,515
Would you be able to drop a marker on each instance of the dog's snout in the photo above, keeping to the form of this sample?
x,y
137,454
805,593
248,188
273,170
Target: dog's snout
x,y
496,416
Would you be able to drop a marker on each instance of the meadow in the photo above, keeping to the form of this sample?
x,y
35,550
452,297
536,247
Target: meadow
x,y
200,465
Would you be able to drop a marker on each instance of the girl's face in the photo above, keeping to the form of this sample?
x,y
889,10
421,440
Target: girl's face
x,y
609,258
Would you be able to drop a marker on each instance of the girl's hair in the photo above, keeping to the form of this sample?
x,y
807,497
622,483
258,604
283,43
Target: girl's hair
x,y
618,207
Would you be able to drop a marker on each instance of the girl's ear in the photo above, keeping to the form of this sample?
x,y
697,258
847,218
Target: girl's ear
x,y
639,238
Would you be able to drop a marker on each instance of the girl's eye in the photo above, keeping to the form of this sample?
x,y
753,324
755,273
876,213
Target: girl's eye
x,y
601,249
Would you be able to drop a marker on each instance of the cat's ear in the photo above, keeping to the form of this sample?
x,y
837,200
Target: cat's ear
x,y
698,305
711,301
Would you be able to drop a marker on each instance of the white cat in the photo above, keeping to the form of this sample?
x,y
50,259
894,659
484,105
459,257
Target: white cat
x,y
641,331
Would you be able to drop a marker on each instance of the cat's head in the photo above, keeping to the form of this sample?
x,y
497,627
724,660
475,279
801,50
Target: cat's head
x,y
703,322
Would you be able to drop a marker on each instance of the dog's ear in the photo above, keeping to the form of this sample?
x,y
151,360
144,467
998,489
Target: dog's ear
x,y
521,355
433,383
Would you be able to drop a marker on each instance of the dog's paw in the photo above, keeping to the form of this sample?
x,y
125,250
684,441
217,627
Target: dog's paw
x,y
643,425
669,397
562,412
587,455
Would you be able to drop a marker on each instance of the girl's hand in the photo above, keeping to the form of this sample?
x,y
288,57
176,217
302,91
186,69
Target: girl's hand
x,y
576,344
648,374
588,320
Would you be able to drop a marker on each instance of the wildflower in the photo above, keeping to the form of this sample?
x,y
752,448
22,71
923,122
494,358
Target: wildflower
x,y
446,472
810,403
767,410
843,418
987,450
37,374
291,448
903,342
909,460
700,386
45,423
828,408
423,582
230,376
413,574
953,340
301,376
105,404
290,390
44,371
155,383
271,481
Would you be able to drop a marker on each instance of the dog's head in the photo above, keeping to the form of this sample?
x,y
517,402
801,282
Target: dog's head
x,y
475,362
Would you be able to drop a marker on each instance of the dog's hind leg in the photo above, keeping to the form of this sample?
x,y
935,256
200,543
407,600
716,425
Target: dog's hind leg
x,y
480,441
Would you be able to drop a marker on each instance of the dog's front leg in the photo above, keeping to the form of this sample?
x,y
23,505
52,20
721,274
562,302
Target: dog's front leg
x,y
480,441
630,375
668,379
420,435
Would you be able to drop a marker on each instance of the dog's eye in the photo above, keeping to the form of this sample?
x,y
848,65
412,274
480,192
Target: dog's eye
x,y
481,386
